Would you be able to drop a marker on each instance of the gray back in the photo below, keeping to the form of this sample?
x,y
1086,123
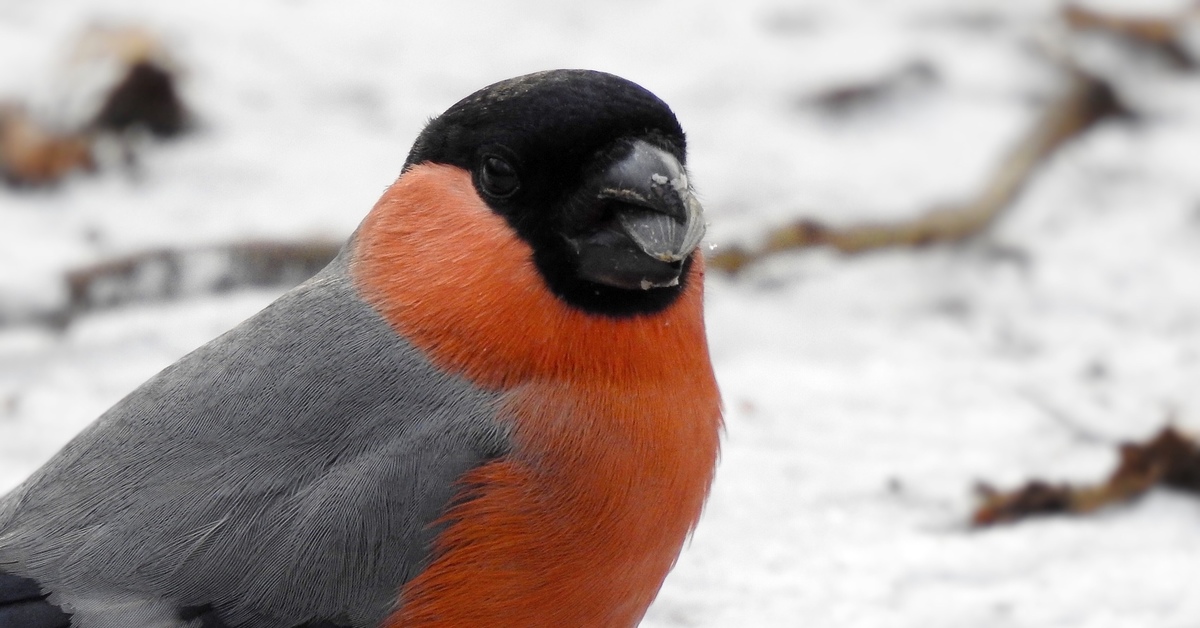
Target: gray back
x,y
286,471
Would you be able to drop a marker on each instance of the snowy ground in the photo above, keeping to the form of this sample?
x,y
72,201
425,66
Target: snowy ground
x,y
864,396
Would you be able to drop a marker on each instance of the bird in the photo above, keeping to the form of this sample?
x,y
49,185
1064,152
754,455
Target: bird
x,y
495,406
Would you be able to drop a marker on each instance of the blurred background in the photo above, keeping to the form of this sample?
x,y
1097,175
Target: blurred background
x,y
953,243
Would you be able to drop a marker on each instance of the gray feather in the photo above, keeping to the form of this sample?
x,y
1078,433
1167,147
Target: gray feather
x,y
289,470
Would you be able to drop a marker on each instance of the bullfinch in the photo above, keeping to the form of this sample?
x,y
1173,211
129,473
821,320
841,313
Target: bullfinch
x,y
495,407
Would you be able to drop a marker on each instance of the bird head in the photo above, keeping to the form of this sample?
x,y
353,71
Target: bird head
x,y
589,170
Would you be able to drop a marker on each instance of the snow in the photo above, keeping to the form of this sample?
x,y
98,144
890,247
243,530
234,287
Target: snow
x,y
865,396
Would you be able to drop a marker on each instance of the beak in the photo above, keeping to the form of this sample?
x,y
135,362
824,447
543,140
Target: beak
x,y
652,222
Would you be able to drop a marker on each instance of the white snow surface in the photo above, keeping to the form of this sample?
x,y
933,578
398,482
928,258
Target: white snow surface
x,y
865,396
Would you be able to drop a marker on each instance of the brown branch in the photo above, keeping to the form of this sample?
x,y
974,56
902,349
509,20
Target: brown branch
x,y
1170,459
1086,101
170,274
859,95
1163,34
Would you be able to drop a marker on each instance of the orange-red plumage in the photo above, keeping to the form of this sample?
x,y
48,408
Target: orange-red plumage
x,y
495,408
614,420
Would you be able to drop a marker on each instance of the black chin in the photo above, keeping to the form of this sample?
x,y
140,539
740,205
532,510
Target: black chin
x,y
612,259
563,277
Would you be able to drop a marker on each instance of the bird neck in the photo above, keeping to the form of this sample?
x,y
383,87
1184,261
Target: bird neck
x,y
452,277
614,421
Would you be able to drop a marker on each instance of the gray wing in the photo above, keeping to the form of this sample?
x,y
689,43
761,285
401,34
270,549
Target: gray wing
x,y
286,472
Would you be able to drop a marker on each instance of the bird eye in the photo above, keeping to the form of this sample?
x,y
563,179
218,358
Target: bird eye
x,y
498,178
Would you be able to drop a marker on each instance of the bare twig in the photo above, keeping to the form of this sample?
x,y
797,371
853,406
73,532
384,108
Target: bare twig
x,y
851,97
1164,34
169,274
1086,101
1170,459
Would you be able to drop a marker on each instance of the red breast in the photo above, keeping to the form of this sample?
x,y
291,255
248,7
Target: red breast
x,y
614,420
